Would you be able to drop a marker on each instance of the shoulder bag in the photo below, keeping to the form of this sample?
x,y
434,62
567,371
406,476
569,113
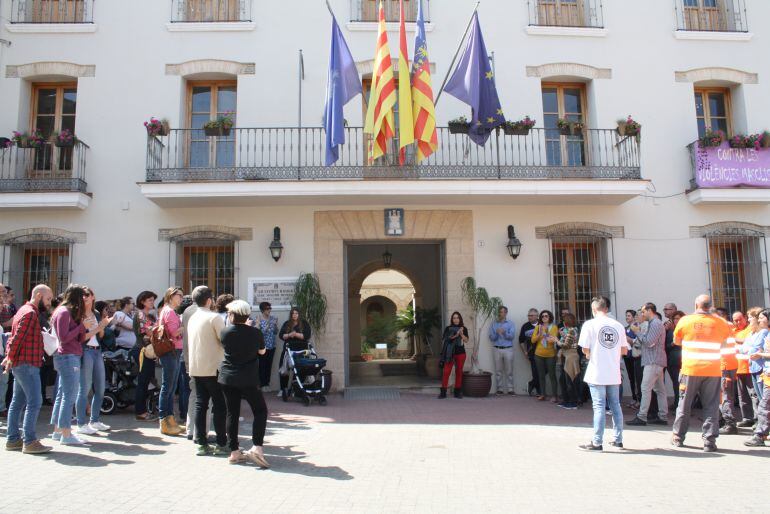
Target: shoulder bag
x,y
160,340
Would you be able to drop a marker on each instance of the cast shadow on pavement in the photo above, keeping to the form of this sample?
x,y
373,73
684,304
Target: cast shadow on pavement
x,y
683,453
125,450
80,460
285,460
135,436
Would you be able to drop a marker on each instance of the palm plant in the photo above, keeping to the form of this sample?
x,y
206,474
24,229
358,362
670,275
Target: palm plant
x,y
419,325
310,301
483,308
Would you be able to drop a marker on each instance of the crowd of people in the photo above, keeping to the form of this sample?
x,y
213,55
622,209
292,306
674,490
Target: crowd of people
x,y
209,348
714,359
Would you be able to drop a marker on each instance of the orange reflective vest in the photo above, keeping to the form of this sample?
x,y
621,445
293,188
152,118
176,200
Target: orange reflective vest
x,y
702,337
742,358
729,361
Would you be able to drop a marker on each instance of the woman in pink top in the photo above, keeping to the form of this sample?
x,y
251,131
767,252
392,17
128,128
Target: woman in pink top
x,y
170,362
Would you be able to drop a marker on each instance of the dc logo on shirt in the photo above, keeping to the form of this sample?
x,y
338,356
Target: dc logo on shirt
x,y
608,337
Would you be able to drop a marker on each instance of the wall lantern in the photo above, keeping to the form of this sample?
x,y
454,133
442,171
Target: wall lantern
x,y
387,258
514,245
276,248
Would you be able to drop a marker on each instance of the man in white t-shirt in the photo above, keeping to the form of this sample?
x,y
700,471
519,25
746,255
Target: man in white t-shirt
x,y
603,341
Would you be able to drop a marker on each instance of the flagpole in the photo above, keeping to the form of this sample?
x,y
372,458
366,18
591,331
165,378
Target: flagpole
x,y
329,7
299,116
457,53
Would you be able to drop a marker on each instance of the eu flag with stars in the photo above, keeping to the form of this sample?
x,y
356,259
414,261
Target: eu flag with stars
x,y
342,85
473,83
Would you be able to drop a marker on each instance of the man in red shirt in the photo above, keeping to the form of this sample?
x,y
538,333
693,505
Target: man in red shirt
x,y
24,355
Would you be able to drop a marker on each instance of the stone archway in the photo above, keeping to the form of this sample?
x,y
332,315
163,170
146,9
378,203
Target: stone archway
x,y
334,228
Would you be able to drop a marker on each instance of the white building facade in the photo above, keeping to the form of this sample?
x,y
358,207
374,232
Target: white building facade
x,y
596,212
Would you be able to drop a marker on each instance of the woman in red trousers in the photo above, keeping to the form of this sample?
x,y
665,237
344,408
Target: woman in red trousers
x,y
453,354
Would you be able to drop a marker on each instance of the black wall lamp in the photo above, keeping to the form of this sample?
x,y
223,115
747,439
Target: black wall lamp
x,y
514,245
276,248
387,258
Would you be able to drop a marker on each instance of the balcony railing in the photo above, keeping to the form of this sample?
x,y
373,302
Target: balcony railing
x,y
298,154
200,11
368,10
566,13
711,15
47,168
52,11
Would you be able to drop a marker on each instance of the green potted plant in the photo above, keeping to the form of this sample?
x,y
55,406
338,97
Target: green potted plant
x,y
459,125
221,126
366,352
156,127
629,127
65,139
25,140
520,127
380,330
569,128
754,141
711,138
477,382
419,325
310,301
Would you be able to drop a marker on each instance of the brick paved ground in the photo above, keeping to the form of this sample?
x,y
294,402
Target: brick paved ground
x,y
416,454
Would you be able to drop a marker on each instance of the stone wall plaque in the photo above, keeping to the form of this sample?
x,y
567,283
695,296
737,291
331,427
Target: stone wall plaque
x,y
276,290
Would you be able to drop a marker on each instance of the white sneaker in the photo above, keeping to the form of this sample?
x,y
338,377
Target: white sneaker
x,y
99,426
87,430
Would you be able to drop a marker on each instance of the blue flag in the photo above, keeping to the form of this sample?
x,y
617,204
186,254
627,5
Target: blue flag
x,y
473,83
343,84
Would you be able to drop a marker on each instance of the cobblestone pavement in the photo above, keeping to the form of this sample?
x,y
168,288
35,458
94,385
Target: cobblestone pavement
x,y
416,454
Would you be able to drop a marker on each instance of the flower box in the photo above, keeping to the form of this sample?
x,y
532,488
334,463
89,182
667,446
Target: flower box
x,y
217,131
515,131
156,127
459,127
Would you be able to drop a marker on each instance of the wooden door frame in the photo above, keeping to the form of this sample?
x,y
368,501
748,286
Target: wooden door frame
x,y
570,267
704,92
560,86
213,111
29,252
210,249
58,115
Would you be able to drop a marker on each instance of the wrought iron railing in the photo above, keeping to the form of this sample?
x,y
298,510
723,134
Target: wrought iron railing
x,y
368,10
711,15
45,168
52,11
566,13
298,154
198,11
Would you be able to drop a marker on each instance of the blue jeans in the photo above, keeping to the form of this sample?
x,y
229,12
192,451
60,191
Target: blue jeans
x,y
759,385
68,367
3,389
183,386
26,392
601,395
170,377
91,374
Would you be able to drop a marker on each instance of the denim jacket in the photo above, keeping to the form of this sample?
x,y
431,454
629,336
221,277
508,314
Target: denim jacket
x,y
754,344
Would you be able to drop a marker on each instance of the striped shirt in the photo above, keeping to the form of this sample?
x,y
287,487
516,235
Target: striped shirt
x,y
653,342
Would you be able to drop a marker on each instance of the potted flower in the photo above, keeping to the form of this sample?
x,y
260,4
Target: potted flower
x,y
220,126
366,352
765,139
476,382
520,127
65,139
156,127
25,140
711,138
629,127
748,141
5,143
569,128
459,125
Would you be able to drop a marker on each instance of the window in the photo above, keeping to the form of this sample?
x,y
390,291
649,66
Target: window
x,y
56,11
210,10
704,15
564,101
369,10
33,261
735,271
53,110
206,101
567,13
712,110
209,263
580,271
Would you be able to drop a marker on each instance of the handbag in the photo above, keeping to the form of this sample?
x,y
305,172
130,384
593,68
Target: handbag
x,y
160,340
50,342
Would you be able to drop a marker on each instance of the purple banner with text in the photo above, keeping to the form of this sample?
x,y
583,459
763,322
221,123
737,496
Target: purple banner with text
x,y
723,166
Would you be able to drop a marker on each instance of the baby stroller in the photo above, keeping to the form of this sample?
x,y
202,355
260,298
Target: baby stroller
x,y
120,372
308,379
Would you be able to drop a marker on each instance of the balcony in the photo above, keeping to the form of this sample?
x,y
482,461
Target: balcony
x,y
729,176
565,18
34,16
284,163
47,176
210,15
712,20
368,10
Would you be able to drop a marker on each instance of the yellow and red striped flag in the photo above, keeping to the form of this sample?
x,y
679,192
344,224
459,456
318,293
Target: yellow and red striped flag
x,y
405,120
382,98
423,109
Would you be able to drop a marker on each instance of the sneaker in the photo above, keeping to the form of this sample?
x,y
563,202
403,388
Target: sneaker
x,y
659,421
203,449
499,393
570,406
563,405
608,412
86,430
590,447
709,447
99,426
221,450
754,441
616,444
72,440
511,393
36,448
636,422
146,417
728,430
14,446
280,393
677,441
746,423
56,436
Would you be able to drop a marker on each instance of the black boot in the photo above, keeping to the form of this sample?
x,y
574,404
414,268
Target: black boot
x,y
442,394
458,393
